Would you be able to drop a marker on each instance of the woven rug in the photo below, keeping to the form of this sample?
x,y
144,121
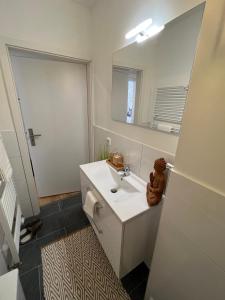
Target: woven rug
x,y
76,267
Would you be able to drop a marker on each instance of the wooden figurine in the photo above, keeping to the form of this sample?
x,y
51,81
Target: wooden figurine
x,y
157,182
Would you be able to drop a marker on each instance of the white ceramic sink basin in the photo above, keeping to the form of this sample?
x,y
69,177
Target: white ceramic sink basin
x,y
130,197
108,179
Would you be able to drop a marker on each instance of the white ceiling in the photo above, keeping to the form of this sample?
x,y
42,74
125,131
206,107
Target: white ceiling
x,y
88,3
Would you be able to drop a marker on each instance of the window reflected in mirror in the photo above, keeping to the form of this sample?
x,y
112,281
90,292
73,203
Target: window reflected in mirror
x,y
125,91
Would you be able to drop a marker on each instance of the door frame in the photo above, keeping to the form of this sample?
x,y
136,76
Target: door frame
x,y
12,98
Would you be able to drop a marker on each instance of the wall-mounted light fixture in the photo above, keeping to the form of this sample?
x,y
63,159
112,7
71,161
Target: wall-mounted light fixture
x,y
152,31
141,27
144,31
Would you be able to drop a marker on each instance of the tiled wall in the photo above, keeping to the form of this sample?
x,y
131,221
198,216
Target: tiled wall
x,y
10,142
189,260
141,159
138,156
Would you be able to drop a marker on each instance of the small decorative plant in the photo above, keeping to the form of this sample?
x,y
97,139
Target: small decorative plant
x,y
104,153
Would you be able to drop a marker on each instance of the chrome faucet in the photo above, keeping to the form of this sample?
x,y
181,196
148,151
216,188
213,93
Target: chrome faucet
x,y
124,173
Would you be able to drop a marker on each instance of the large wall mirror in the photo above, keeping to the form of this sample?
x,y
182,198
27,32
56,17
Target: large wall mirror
x,y
150,79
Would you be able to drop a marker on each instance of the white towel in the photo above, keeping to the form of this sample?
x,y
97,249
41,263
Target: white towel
x,y
90,204
164,127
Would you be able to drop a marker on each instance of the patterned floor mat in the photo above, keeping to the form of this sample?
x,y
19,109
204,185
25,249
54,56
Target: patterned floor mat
x,y
76,267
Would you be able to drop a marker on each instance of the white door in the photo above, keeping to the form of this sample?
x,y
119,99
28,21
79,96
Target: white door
x,y
53,100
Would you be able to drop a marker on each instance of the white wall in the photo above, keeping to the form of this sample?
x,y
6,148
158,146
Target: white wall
x,y
202,145
111,20
189,261
54,26
176,47
5,116
50,24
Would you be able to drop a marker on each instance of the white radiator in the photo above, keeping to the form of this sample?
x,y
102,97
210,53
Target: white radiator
x,y
169,104
5,166
8,202
10,213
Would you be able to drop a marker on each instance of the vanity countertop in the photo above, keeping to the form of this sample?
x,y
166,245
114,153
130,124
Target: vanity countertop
x,y
130,200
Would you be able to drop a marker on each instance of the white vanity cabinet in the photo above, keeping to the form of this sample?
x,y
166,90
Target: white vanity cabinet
x,y
124,242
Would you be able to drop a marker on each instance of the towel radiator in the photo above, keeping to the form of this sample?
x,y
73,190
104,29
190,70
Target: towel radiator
x,y
169,104
10,212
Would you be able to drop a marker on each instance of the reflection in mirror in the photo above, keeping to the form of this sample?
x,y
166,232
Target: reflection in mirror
x,y
150,79
126,86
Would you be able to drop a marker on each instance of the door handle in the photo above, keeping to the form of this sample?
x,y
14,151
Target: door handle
x,y
96,226
32,136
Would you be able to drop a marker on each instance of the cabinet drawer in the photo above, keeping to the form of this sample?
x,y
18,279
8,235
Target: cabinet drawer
x,y
106,225
110,234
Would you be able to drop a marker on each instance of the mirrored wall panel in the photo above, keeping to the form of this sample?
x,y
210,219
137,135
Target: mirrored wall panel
x,y
150,79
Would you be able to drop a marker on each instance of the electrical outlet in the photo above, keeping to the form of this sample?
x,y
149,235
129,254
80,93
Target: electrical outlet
x,y
109,141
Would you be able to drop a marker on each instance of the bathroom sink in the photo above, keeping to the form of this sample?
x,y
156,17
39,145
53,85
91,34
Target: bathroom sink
x,y
123,190
114,186
125,195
